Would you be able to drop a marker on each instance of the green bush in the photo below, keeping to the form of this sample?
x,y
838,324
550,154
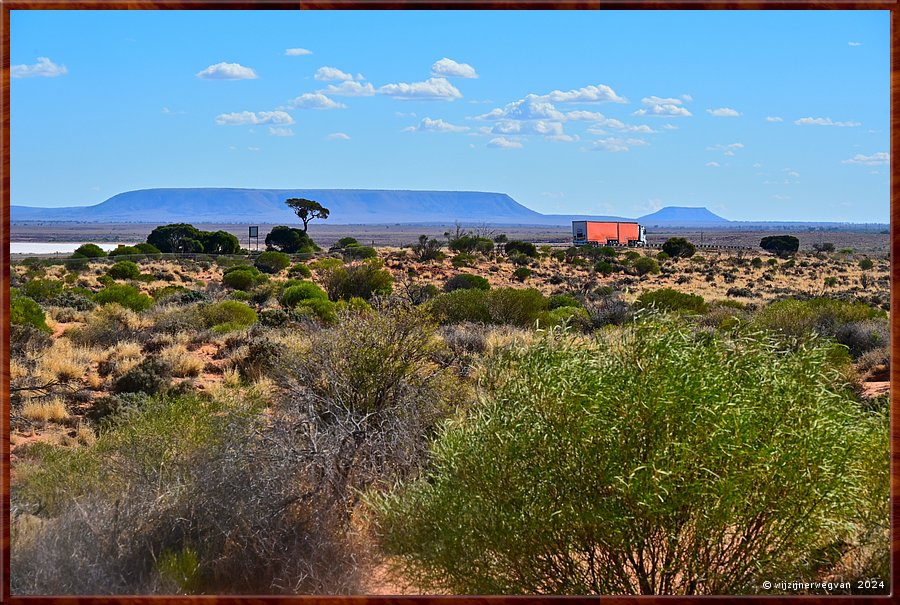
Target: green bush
x,y
668,299
604,267
272,262
780,244
150,376
466,281
25,312
318,308
645,265
521,307
678,247
463,259
526,248
89,251
145,248
230,313
125,295
42,290
73,300
290,240
522,273
357,252
463,305
628,464
125,251
124,269
565,300
242,278
302,291
866,264
301,270
363,280
799,318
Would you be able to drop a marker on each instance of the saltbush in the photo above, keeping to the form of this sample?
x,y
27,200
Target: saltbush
x,y
150,376
645,265
25,312
124,295
89,251
124,269
364,280
526,248
669,299
302,291
272,262
228,315
521,273
301,270
466,281
73,300
42,290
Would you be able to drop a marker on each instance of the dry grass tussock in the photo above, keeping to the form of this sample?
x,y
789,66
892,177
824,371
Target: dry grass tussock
x,y
53,410
182,361
64,361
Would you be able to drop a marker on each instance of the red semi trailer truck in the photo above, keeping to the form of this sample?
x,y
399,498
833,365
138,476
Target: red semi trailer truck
x,y
608,233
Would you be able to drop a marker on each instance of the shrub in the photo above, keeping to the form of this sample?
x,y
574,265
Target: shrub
x,y
42,290
564,300
124,269
145,248
860,337
124,295
106,326
668,299
744,292
241,278
89,251
662,256
582,471
73,300
125,251
427,249
522,273
466,281
525,248
866,264
345,241
463,260
302,291
357,252
25,312
678,247
290,240
799,318
230,313
150,376
611,309
272,262
463,305
363,280
756,262
301,270
516,307
604,267
318,308
645,265
780,244
824,247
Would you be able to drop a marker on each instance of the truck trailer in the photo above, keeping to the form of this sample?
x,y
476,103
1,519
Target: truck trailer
x,y
602,233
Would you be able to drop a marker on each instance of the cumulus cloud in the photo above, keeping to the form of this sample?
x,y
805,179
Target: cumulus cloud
x,y
774,119
249,117
332,74
338,136
44,68
297,52
712,164
726,149
227,71
349,89
449,68
314,101
432,89
854,43
589,94
532,107
617,145
539,127
824,122
663,107
281,131
723,112
876,159
504,143
438,125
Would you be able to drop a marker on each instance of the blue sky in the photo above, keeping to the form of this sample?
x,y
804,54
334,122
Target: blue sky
x,y
777,115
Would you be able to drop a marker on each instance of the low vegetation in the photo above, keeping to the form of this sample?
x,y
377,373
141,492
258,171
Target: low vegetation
x,y
516,420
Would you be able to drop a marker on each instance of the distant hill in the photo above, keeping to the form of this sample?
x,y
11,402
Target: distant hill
x,y
682,216
347,206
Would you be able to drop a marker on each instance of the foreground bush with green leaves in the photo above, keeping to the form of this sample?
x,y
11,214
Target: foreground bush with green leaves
x,y
650,460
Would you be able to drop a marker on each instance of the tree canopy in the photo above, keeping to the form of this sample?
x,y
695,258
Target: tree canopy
x,y
289,239
307,210
780,244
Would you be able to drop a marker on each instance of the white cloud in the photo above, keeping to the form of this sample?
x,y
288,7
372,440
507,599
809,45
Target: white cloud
x,y
670,108
249,117
438,125
712,164
589,94
227,71
670,127
726,149
314,101
824,122
876,159
436,89
757,165
615,144
504,143
539,127
687,97
297,52
532,107
338,136
723,112
44,68
172,112
349,89
565,138
854,43
774,119
332,74
280,131
252,148
451,69
793,173
592,116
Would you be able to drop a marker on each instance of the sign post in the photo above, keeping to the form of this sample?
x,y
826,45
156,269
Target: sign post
x,y
254,232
